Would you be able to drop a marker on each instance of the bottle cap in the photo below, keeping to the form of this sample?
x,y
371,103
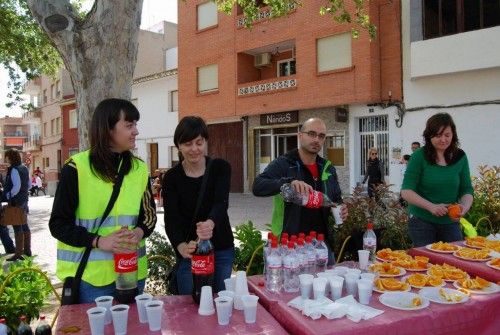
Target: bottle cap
x,y
270,235
23,317
42,317
2,320
302,235
300,241
308,239
293,238
369,225
284,235
291,245
321,237
284,241
312,233
274,244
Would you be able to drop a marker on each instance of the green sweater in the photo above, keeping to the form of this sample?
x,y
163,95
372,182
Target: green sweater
x,y
437,184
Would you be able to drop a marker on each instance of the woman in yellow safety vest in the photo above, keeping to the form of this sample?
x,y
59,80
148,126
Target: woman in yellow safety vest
x,y
84,190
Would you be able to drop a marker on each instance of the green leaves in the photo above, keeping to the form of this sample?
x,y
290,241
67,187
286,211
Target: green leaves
x,y
250,239
158,245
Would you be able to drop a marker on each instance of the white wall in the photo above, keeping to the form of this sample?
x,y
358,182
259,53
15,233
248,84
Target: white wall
x,y
464,69
156,124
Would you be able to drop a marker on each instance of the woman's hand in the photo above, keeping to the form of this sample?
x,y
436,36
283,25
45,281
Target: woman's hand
x,y
119,242
343,212
205,229
438,209
186,249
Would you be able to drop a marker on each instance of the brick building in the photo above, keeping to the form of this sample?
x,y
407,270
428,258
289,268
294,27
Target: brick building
x,y
255,87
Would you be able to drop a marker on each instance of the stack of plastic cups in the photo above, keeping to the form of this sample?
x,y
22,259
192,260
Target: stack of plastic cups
x,y
240,289
319,285
206,301
336,285
306,285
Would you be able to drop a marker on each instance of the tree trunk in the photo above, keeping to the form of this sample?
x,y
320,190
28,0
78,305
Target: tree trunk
x,y
99,51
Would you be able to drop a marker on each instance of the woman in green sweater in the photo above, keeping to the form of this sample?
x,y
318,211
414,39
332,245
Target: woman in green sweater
x,y
436,177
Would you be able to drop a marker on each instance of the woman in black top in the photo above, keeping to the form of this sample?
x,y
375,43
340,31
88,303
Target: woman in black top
x,y
374,171
181,187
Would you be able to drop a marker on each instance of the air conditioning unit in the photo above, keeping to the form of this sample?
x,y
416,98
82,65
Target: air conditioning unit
x,y
263,59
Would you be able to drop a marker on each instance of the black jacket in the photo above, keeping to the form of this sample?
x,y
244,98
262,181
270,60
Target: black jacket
x,y
287,168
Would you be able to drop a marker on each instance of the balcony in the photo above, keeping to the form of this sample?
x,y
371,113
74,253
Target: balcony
x,y
33,86
267,69
15,134
32,116
32,143
264,14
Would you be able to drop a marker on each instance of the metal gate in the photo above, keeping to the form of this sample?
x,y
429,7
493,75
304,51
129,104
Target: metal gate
x,y
374,132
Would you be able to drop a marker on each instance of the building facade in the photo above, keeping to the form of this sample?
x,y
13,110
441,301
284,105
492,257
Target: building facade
x,y
255,87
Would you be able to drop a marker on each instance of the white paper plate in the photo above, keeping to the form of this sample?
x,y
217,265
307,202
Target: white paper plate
x,y
471,246
419,270
414,286
493,288
402,300
432,293
488,263
428,247
471,259
375,289
448,280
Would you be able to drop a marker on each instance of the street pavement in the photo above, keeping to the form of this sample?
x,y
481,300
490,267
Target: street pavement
x,y
242,207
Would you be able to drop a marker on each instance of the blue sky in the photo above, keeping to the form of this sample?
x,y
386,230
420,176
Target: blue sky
x,y
153,11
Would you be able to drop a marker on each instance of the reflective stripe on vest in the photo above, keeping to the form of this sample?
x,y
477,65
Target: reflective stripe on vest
x,y
94,195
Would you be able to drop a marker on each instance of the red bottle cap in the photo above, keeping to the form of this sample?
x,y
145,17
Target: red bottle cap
x,y
2,320
23,318
308,239
270,235
302,235
312,233
369,225
284,235
321,237
291,245
300,241
42,317
274,244
284,241
293,238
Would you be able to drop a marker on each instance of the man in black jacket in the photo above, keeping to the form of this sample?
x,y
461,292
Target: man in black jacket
x,y
306,171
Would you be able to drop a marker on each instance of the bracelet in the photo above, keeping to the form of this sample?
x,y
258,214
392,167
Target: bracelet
x,y
97,241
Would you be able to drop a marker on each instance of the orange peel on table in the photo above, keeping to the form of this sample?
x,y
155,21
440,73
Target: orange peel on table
x,y
444,246
390,284
473,253
447,272
385,269
477,283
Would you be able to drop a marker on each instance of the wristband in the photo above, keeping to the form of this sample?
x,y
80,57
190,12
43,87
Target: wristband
x,y
97,241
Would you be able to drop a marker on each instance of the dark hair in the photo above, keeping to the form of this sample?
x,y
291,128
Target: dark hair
x,y
106,115
417,143
406,157
189,128
435,126
13,156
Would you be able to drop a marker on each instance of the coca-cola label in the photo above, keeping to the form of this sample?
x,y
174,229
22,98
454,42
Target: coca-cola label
x,y
315,200
126,262
203,264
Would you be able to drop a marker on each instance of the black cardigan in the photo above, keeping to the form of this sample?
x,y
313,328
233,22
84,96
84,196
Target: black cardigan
x,y
180,194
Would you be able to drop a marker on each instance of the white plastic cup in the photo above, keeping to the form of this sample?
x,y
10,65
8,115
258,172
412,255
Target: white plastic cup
x,y
250,307
306,285
141,301
340,270
336,285
351,283
363,256
319,286
365,288
206,301
96,320
229,283
105,301
353,271
154,310
240,289
120,318
368,275
325,275
336,215
224,306
230,294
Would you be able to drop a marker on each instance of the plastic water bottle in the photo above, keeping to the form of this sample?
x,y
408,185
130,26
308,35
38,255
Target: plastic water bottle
x,y
300,251
3,327
321,254
274,267
314,199
283,246
291,269
293,239
370,241
43,327
24,328
267,249
314,241
311,256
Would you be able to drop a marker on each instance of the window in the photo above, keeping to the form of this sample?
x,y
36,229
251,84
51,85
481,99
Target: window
x,y
46,164
334,148
447,17
52,92
208,78
45,130
58,125
286,67
174,156
52,126
174,101
334,52
207,15
58,88
45,96
73,119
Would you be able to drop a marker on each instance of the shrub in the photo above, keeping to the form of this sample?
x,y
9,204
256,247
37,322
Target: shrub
x,y
159,268
250,239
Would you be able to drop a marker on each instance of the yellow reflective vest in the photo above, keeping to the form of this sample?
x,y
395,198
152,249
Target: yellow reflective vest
x,y
94,195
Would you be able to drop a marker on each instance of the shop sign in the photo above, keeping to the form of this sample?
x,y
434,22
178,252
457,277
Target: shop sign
x,y
279,118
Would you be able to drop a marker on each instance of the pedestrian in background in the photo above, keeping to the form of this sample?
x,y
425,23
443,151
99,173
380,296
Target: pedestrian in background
x,y
375,172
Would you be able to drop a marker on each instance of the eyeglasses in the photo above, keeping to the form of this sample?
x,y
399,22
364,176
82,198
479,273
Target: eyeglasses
x,y
314,134
374,153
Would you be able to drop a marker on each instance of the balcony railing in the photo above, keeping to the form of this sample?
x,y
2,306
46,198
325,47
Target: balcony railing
x,y
33,114
15,134
267,86
264,14
32,143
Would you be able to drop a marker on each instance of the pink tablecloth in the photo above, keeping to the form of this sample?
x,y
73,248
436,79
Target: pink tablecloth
x,y
477,316
180,317
473,268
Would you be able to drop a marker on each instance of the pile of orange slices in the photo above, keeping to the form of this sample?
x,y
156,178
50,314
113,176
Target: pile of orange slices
x,y
421,280
444,246
390,284
483,243
388,254
473,253
477,283
416,264
447,272
385,269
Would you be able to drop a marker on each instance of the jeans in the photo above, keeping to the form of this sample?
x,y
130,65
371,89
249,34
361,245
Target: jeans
x,y
88,292
7,242
21,228
223,268
423,232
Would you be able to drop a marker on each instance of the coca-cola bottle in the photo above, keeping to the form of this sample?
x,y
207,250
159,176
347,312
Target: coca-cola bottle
x,y
126,277
314,199
43,327
202,268
24,328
